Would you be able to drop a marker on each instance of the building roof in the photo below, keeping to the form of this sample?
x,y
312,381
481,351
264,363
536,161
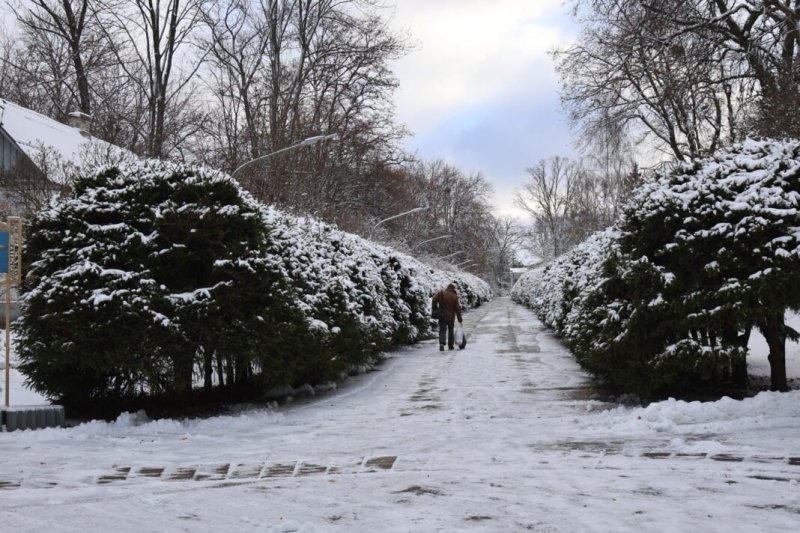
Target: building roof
x,y
36,134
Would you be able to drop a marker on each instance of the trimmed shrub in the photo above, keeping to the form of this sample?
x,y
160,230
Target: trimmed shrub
x,y
140,276
702,254
148,279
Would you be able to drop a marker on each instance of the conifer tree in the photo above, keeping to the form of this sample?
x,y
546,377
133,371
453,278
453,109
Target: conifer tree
x,y
705,253
142,276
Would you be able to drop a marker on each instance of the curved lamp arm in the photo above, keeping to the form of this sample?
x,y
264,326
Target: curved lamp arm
x,y
415,210
430,240
304,142
451,255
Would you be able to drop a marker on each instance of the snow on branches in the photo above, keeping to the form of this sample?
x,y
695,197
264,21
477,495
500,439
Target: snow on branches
x,y
702,254
147,276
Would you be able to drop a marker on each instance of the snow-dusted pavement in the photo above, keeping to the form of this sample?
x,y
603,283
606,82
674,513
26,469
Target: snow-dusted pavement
x,y
503,436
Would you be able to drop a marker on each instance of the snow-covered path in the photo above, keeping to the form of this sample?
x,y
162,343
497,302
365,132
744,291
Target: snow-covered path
x,y
503,436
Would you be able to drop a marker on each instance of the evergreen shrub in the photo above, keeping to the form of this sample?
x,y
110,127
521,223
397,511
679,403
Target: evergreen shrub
x,y
152,278
702,254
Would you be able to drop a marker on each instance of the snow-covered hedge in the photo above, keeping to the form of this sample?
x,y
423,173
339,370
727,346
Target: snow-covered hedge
x,y
553,290
147,277
701,255
362,296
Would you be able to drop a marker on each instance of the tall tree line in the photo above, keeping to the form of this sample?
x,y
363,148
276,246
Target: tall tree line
x,y
221,82
456,224
659,80
691,76
226,82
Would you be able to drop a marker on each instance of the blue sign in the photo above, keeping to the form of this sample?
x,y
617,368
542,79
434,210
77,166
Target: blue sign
x,y
3,252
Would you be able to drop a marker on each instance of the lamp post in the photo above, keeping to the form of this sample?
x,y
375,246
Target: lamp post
x,y
415,210
430,240
451,255
305,142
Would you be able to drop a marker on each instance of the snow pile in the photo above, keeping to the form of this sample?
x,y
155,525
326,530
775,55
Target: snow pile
x,y
764,411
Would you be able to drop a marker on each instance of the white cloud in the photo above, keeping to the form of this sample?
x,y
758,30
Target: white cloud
x,y
472,51
481,91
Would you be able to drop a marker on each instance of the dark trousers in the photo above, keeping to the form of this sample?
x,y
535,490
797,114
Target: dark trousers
x,y
447,328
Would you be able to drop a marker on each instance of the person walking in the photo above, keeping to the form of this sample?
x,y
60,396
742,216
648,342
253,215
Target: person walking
x,y
447,301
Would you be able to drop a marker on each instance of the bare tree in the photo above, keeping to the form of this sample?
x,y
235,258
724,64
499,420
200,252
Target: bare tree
x,y
551,199
61,60
238,40
635,73
65,20
39,76
760,38
693,74
121,113
285,70
505,238
149,38
225,82
458,205
13,76
570,200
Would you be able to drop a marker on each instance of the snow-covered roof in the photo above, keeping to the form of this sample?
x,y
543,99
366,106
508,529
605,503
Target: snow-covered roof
x,y
39,136
30,131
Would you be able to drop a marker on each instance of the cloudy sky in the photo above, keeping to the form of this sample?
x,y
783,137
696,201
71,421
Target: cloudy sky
x,y
480,91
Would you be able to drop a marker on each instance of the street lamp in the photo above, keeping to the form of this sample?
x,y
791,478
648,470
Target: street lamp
x,y
415,210
451,255
430,240
304,142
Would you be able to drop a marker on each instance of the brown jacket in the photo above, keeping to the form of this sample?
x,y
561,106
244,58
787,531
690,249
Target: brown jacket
x,y
447,300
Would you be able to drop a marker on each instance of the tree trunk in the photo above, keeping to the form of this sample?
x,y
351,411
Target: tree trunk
x,y
75,28
208,370
774,332
739,375
229,365
183,370
241,371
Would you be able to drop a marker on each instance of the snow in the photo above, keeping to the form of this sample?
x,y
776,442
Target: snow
x,y
44,139
31,130
507,435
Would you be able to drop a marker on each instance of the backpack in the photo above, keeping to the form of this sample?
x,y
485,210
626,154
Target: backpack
x,y
436,314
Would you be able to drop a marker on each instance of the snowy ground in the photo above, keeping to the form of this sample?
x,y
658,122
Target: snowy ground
x,y
505,436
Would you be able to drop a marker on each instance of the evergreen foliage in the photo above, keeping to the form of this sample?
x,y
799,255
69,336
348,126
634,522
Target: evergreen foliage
x,y
149,279
701,255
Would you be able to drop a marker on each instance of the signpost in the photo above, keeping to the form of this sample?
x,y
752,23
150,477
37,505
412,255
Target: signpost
x,y
30,416
11,267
